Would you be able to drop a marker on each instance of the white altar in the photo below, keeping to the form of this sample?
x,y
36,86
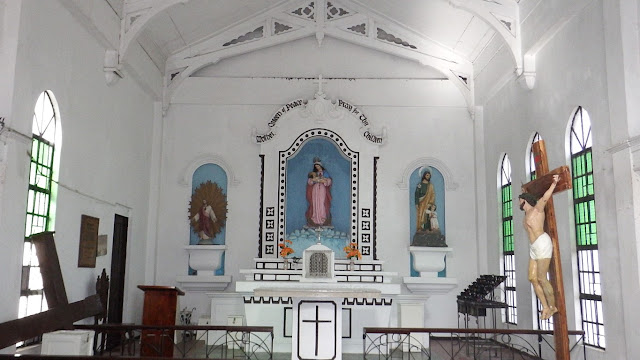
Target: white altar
x,y
316,316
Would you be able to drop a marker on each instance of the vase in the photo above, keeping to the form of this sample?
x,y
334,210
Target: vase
x,y
285,264
352,264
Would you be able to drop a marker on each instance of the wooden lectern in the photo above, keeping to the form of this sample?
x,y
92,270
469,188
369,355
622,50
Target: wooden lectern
x,y
159,309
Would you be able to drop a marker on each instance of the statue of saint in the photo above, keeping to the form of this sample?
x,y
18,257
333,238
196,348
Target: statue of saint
x,y
318,196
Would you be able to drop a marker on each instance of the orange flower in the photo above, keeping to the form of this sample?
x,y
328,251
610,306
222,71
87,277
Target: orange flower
x,y
286,250
352,251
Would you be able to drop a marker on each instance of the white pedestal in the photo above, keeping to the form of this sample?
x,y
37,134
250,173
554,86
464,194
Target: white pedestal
x,y
68,342
429,261
205,259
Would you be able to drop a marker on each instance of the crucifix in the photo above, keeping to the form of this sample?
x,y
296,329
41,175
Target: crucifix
x,y
320,81
537,188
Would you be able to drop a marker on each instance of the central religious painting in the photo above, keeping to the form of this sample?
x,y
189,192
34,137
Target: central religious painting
x,y
319,194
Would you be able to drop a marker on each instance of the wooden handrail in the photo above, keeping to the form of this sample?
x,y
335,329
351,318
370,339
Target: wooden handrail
x,y
117,327
380,330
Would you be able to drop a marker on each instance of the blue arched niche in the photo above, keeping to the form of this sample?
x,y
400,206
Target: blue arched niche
x,y
437,179
298,167
217,175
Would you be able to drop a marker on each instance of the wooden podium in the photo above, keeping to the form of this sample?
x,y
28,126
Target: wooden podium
x,y
159,309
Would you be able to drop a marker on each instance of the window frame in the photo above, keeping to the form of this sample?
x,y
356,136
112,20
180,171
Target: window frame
x,y
585,227
510,314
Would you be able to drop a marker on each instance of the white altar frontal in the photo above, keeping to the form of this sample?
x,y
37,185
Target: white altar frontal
x,y
318,307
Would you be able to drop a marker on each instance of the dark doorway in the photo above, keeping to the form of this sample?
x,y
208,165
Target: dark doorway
x,y
118,265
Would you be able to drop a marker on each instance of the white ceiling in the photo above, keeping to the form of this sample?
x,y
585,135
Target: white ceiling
x,y
184,24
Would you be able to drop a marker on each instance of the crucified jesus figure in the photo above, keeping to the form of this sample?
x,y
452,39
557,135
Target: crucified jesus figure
x,y
540,247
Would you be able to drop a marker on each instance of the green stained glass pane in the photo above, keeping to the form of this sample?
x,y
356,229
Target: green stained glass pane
x,y
579,213
589,162
581,235
579,170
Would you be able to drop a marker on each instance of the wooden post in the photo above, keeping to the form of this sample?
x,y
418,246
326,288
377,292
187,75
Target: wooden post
x,y
538,187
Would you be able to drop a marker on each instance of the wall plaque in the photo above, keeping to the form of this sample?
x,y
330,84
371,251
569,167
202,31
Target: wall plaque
x,y
88,247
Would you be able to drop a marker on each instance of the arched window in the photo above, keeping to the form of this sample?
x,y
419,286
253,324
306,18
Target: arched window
x,y
508,257
531,164
584,207
40,197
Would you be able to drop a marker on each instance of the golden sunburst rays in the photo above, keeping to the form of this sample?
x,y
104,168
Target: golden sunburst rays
x,y
212,194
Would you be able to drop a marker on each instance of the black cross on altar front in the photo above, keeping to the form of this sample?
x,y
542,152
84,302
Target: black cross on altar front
x,y
317,322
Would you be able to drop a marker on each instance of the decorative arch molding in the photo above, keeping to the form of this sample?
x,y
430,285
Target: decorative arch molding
x,y
352,156
449,181
187,173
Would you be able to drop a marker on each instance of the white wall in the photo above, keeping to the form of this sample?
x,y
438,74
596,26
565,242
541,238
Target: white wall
x,y
571,70
214,116
105,146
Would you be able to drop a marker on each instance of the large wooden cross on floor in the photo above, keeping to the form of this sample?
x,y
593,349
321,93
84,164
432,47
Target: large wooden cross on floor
x,y
538,187
61,313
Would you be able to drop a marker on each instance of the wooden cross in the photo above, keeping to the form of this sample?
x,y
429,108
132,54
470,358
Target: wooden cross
x,y
61,313
538,187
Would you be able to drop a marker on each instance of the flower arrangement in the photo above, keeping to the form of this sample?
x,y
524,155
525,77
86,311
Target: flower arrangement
x,y
352,251
285,250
